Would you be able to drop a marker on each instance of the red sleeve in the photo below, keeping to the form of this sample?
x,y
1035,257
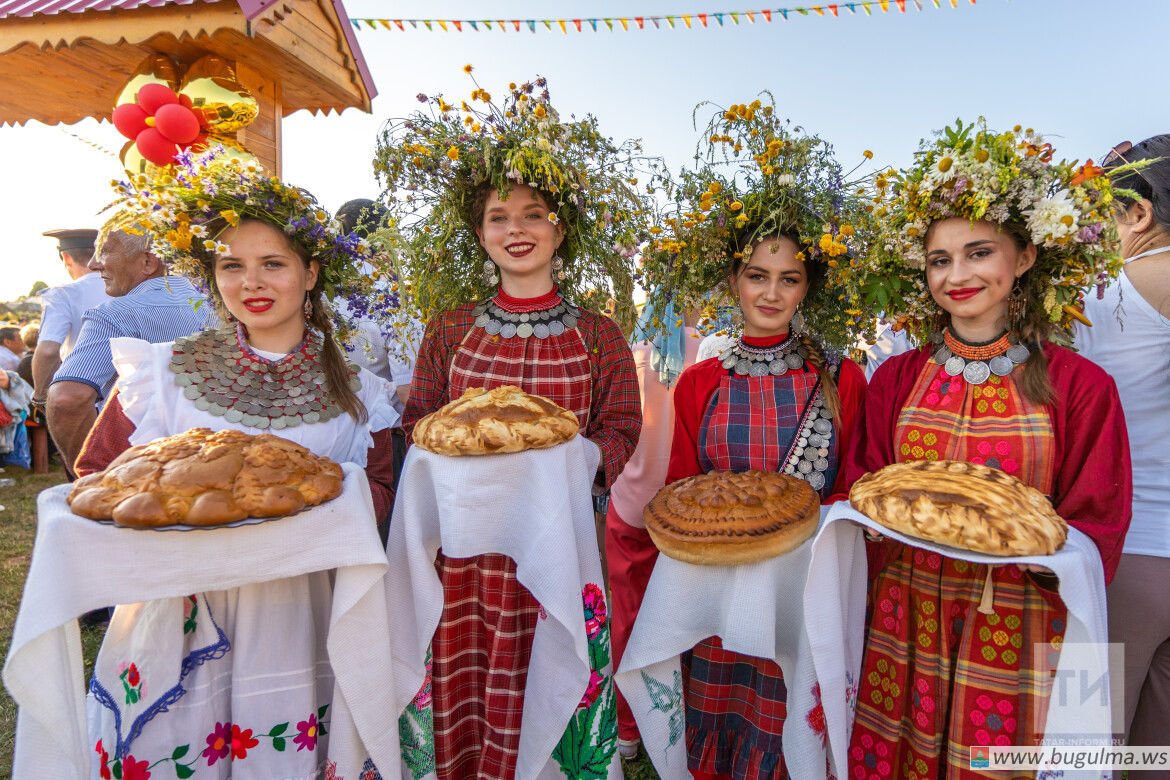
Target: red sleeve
x,y
615,412
851,389
380,474
691,395
428,388
1094,483
107,439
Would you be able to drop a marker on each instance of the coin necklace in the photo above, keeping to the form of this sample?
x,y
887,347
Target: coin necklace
x,y
222,376
808,456
977,362
746,360
497,320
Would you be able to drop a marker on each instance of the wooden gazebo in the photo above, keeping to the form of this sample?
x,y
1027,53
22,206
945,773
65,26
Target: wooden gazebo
x,y
64,60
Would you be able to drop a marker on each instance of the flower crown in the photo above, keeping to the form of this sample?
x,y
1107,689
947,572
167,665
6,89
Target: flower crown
x,y
186,212
433,165
784,181
973,173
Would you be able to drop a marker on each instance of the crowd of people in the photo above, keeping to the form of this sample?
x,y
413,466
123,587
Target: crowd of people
x,y
982,255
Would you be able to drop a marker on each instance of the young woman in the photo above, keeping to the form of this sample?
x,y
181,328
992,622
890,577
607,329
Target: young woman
x,y
938,674
776,399
275,367
537,226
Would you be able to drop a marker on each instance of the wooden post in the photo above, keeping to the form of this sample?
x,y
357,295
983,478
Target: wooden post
x,y
262,137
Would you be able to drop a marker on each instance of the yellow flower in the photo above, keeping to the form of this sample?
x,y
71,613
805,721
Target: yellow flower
x,y
512,85
452,153
945,163
468,68
982,155
846,230
801,256
714,188
735,205
539,111
867,154
655,230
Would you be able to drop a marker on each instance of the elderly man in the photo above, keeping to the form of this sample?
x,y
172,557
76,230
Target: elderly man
x,y
11,347
64,306
145,304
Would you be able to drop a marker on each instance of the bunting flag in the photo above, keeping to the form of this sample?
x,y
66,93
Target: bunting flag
x,y
590,24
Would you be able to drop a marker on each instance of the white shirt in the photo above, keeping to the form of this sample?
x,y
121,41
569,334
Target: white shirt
x,y
392,362
1130,339
65,305
9,360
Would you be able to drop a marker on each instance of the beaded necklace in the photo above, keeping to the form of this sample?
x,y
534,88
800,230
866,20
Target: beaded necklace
x,y
977,362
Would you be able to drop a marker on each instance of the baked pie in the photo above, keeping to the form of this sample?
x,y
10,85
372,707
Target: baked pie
x,y
201,478
491,422
724,518
962,505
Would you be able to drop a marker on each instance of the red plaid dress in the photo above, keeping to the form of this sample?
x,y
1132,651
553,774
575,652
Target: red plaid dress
x,y
481,649
937,675
736,704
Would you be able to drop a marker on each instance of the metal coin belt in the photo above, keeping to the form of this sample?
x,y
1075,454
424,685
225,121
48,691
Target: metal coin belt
x,y
746,360
224,378
809,455
497,320
977,362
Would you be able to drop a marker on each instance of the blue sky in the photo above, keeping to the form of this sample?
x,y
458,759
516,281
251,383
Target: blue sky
x,y
1087,73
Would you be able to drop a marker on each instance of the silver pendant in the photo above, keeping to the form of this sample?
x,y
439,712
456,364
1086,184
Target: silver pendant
x,y
524,330
1017,353
793,360
492,327
777,366
942,354
976,372
817,480
954,365
742,366
1001,365
540,330
759,369
507,330
556,328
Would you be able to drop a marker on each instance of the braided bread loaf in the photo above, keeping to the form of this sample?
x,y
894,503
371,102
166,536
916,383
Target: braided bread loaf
x,y
204,479
723,518
490,422
962,505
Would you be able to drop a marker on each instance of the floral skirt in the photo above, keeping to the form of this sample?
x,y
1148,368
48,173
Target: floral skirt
x,y
735,710
938,676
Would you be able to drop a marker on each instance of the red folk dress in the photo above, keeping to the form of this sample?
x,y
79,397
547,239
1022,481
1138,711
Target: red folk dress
x,y
481,649
736,704
937,675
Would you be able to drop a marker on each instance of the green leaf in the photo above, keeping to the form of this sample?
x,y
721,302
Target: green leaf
x,y
278,744
321,711
278,729
183,771
116,770
179,752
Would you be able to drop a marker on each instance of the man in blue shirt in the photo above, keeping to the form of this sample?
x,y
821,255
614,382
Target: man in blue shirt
x,y
145,304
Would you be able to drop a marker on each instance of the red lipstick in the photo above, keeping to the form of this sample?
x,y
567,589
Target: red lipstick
x,y
963,293
257,305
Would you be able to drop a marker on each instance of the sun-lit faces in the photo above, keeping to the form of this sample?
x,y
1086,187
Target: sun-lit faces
x,y
970,270
520,240
770,286
263,282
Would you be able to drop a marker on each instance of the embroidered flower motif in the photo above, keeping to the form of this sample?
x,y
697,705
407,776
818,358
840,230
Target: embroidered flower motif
x,y
131,682
242,742
331,770
422,699
816,716
593,690
219,743
306,739
135,770
370,772
594,609
105,767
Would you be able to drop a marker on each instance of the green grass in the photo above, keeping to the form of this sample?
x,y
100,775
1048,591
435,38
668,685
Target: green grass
x,y
17,531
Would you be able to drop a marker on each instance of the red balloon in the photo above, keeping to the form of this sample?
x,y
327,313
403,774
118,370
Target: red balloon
x,y
130,119
153,146
152,96
185,100
176,123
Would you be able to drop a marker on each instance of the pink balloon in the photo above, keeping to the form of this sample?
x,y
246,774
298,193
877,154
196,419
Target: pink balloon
x,y
155,148
153,96
130,120
176,123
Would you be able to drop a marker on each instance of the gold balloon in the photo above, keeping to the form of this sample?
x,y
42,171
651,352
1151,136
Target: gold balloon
x,y
135,163
233,147
155,69
226,104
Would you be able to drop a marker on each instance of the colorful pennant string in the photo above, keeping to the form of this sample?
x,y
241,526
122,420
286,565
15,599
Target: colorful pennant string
x,y
690,21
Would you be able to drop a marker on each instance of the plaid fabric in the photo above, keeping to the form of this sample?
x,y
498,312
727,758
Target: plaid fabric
x,y
480,655
937,675
735,710
752,423
615,405
107,439
993,424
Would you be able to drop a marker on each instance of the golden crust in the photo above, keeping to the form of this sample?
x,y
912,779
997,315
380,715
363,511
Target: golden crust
x,y
723,518
206,479
505,419
962,505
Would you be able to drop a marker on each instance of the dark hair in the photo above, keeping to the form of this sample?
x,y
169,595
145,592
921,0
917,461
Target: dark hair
x,y
1151,182
362,216
810,347
1033,328
332,359
9,332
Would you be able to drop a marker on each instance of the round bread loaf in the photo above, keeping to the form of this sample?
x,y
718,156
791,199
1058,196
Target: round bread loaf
x,y
723,518
202,478
491,422
962,505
